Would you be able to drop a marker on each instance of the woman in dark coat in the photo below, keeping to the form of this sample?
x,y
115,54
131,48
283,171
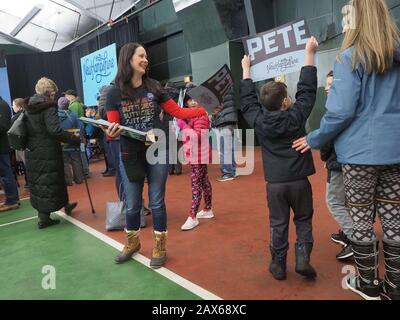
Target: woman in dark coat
x,y
44,160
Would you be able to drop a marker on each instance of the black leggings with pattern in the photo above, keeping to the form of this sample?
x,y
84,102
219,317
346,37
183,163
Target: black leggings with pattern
x,y
373,190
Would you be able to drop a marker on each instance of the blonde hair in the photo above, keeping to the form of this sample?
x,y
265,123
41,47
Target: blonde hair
x,y
46,87
374,36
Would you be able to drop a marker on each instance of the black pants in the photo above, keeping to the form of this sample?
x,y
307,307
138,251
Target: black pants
x,y
281,197
176,165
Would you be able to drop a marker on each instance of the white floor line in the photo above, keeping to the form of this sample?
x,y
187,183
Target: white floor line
x,y
18,221
190,286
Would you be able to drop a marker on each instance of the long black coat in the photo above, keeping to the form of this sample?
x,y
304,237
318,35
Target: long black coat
x,y
44,161
5,123
228,115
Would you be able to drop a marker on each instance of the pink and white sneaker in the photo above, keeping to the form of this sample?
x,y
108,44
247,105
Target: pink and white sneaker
x,y
205,214
190,224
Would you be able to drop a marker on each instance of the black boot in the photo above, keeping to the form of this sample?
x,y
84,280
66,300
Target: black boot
x,y
277,266
69,207
45,221
391,283
303,266
366,283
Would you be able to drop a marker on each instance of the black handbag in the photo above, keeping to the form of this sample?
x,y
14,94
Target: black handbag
x,y
17,134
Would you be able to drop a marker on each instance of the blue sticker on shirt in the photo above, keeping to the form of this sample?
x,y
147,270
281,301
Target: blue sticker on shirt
x,y
150,96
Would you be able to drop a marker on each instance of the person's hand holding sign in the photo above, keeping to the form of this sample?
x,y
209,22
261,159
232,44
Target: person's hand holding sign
x,y
112,131
311,48
246,67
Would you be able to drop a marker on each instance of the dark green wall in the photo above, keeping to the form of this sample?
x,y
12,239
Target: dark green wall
x,y
15,49
263,11
161,33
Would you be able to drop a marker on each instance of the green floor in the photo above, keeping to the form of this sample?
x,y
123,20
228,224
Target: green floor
x,y
83,264
24,211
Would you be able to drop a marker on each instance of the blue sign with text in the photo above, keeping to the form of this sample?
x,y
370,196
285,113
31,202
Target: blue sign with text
x,y
98,69
4,87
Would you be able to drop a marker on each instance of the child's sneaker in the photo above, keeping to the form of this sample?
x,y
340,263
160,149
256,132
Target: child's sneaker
x,y
190,224
226,177
340,238
205,214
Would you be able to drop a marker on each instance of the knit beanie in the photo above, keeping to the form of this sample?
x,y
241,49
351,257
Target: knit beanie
x,y
63,103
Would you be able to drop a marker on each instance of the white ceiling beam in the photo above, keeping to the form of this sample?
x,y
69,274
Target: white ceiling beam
x,y
85,10
25,20
104,5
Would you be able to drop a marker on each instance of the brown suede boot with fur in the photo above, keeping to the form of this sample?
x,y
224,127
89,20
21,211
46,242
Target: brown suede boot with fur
x,y
131,247
159,255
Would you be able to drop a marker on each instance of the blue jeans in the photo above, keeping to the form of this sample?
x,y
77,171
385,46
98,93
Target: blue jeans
x,y
8,179
112,165
226,146
156,177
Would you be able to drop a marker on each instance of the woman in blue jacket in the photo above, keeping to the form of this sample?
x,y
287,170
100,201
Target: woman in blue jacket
x,y
363,118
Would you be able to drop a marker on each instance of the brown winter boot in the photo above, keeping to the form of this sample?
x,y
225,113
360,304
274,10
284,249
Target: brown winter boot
x,y
159,251
131,247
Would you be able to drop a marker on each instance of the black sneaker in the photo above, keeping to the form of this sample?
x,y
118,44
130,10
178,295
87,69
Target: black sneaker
x,y
340,238
226,177
346,253
147,211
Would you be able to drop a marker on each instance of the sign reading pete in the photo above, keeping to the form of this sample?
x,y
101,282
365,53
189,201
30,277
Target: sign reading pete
x,y
211,93
278,51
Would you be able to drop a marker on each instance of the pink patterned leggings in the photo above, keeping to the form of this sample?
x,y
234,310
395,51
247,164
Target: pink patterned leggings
x,y
200,183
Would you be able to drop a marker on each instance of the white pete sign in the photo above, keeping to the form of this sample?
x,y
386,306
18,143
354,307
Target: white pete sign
x,y
277,51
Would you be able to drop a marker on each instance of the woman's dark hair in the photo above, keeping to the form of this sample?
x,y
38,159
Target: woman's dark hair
x,y
125,72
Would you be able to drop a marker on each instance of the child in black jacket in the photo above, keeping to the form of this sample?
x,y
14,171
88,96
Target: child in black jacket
x,y
277,124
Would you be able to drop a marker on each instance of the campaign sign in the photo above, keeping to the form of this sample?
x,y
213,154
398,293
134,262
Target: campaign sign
x,y
4,86
98,69
211,93
278,51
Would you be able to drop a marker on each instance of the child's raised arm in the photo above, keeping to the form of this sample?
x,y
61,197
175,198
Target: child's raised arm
x,y
311,47
246,67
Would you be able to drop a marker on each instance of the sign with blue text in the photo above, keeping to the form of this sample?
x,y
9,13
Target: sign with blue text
x,y
4,86
98,69
278,51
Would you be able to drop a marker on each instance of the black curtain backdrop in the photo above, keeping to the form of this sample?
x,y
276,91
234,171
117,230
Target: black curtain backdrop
x,y
64,66
24,70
